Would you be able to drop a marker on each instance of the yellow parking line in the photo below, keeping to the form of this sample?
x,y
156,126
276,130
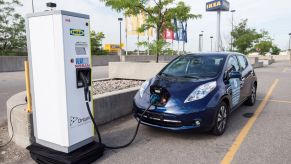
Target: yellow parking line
x,y
245,130
279,101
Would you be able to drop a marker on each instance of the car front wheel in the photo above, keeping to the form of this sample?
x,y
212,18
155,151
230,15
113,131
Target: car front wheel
x,y
220,120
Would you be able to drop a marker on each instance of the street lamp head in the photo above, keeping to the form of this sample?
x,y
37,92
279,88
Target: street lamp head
x,y
120,19
211,37
232,11
200,34
50,4
289,34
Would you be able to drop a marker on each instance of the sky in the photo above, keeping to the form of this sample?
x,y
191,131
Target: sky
x,y
271,15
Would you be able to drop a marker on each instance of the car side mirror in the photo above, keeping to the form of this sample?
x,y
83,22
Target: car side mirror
x,y
235,75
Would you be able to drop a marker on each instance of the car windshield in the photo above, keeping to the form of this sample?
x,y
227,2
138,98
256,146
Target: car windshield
x,y
195,66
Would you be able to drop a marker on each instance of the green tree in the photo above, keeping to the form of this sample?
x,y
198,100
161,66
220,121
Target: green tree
x,y
159,14
264,47
244,37
162,47
12,27
266,44
96,43
275,50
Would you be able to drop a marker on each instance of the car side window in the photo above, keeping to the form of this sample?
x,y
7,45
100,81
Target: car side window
x,y
232,64
243,62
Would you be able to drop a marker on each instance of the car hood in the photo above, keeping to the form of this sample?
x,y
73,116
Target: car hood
x,y
179,88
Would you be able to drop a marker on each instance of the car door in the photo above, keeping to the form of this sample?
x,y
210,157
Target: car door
x,y
234,84
246,71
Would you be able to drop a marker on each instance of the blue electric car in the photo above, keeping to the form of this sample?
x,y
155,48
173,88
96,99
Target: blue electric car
x,y
197,91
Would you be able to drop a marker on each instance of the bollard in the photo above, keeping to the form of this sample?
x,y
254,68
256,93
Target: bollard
x,y
27,84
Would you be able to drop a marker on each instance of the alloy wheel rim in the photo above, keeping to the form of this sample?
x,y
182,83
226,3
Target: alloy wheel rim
x,y
221,118
253,94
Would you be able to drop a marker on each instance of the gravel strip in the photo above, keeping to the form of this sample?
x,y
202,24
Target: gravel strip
x,y
100,87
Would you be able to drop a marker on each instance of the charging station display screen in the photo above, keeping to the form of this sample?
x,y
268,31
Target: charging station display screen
x,y
80,50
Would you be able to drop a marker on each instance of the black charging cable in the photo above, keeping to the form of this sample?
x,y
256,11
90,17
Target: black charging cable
x,y
88,99
10,121
87,91
135,133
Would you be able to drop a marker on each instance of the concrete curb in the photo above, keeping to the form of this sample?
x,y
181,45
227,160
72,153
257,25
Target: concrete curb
x,y
113,105
21,121
134,70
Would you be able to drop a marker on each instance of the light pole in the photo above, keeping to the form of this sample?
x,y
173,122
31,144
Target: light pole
x,y
32,6
211,37
289,42
200,42
120,39
231,39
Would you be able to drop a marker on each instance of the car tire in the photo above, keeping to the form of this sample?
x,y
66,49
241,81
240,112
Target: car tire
x,y
251,101
221,119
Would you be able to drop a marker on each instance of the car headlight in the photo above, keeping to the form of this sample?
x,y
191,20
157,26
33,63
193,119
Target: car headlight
x,y
143,88
201,92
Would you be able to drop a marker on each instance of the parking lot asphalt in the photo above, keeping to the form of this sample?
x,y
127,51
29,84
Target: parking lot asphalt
x,y
14,82
263,138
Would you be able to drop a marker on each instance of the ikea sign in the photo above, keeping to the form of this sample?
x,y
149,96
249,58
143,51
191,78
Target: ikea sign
x,y
217,5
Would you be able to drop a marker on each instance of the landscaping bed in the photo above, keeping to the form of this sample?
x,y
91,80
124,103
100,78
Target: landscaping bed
x,y
110,85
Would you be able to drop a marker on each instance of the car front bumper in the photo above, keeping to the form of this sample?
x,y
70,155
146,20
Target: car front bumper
x,y
200,121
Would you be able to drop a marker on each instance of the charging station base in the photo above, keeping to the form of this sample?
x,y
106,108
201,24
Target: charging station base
x,y
85,155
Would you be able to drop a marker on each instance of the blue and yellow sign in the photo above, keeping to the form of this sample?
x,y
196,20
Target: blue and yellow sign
x,y
217,5
77,32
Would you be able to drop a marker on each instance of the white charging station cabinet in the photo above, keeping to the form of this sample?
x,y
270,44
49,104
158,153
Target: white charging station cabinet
x,y
58,44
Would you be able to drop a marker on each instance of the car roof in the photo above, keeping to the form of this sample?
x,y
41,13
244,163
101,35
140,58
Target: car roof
x,y
215,53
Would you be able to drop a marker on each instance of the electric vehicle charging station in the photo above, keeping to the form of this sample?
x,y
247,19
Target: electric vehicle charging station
x,y
59,57
60,75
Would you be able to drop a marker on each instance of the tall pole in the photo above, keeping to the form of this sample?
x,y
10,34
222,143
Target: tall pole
x,y
173,46
231,39
120,41
218,37
289,50
200,43
32,6
126,41
183,47
202,39
137,44
178,47
211,37
148,43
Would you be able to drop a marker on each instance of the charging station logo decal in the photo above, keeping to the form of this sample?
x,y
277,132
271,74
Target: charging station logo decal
x,y
77,32
77,121
82,63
